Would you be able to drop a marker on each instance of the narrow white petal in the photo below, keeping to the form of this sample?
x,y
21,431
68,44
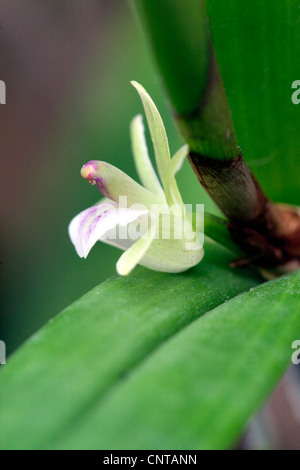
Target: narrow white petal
x,y
141,157
135,253
157,131
171,188
94,223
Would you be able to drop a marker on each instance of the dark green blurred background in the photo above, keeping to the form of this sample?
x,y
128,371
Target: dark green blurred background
x,y
67,67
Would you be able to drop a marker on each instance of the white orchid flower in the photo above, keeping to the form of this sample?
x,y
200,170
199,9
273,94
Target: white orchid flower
x,y
149,222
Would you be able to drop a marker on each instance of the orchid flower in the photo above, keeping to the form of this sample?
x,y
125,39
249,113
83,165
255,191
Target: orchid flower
x,y
150,222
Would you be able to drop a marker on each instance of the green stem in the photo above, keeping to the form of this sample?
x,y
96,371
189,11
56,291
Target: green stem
x,y
182,46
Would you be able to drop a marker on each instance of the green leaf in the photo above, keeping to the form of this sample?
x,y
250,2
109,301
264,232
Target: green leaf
x,y
257,45
199,388
67,368
191,74
181,28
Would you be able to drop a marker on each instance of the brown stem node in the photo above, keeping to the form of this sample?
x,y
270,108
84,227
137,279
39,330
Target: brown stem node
x,y
269,233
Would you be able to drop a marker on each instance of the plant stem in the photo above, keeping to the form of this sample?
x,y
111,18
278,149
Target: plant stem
x,y
182,45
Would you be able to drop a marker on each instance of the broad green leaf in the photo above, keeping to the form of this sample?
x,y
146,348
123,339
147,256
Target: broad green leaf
x,y
180,27
54,380
191,74
199,388
258,46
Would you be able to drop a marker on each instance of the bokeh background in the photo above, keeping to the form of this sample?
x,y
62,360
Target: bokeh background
x,y
67,66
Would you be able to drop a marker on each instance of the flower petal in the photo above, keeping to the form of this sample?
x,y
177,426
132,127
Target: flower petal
x,y
141,157
157,131
171,188
166,248
114,183
94,223
128,261
177,248
172,256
